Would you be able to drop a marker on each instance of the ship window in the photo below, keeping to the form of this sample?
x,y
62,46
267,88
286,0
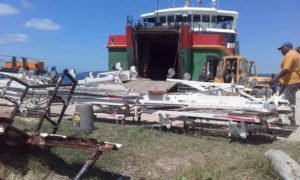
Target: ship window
x,y
196,18
150,20
224,18
179,18
187,18
205,18
213,18
225,21
170,19
162,19
214,23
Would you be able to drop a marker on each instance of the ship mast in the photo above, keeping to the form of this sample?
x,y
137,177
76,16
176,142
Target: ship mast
x,y
186,3
214,3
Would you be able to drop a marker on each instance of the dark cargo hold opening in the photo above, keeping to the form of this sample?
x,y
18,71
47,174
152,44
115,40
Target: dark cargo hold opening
x,y
156,53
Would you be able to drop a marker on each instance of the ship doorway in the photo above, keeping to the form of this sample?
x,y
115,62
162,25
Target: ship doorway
x,y
157,52
162,57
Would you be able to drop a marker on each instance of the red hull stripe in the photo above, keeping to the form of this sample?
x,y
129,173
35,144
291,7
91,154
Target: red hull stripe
x,y
208,39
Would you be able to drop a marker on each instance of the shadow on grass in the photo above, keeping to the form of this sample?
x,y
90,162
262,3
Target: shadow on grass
x,y
17,157
206,131
210,131
215,133
126,122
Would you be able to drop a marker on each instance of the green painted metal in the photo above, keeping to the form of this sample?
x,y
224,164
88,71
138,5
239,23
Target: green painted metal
x,y
199,57
186,62
117,55
192,60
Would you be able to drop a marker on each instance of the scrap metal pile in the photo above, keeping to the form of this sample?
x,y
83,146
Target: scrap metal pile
x,y
201,103
11,101
220,104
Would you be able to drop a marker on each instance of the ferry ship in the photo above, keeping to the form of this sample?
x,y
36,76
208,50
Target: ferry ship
x,y
177,42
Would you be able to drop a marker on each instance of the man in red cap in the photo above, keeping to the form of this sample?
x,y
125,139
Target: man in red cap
x,y
289,76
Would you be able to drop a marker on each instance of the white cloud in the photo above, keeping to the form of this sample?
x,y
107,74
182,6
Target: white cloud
x,y
44,24
25,4
6,9
11,38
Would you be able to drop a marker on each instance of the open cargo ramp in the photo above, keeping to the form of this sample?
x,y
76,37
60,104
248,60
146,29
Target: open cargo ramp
x,y
156,51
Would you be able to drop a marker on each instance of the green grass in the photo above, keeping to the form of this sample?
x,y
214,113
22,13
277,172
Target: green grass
x,y
152,154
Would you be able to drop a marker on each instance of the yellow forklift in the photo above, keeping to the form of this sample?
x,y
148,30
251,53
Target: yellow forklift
x,y
239,70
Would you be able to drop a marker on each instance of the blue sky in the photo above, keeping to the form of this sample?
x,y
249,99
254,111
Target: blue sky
x,y
73,33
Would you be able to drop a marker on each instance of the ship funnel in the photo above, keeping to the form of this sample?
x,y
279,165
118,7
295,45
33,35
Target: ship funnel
x,y
186,3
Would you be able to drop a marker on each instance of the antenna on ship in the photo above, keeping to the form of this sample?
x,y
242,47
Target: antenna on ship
x,y
186,3
214,3
173,3
200,2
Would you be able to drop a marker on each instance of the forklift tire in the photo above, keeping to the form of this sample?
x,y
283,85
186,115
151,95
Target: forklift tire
x,y
256,93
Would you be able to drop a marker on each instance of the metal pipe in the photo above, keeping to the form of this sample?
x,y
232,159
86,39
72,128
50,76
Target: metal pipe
x,y
88,164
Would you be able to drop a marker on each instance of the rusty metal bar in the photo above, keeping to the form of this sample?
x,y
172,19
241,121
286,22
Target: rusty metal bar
x,y
40,122
66,102
88,164
49,103
11,133
19,103
21,98
18,81
51,121
71,142
52,97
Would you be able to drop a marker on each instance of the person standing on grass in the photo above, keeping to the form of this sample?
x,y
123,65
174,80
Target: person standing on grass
x,y
289,76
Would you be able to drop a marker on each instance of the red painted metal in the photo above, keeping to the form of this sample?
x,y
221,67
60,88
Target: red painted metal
x,y
117,40
237,118
186,36
208,39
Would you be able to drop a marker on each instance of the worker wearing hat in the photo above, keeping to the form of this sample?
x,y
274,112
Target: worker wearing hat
x,y
289,76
